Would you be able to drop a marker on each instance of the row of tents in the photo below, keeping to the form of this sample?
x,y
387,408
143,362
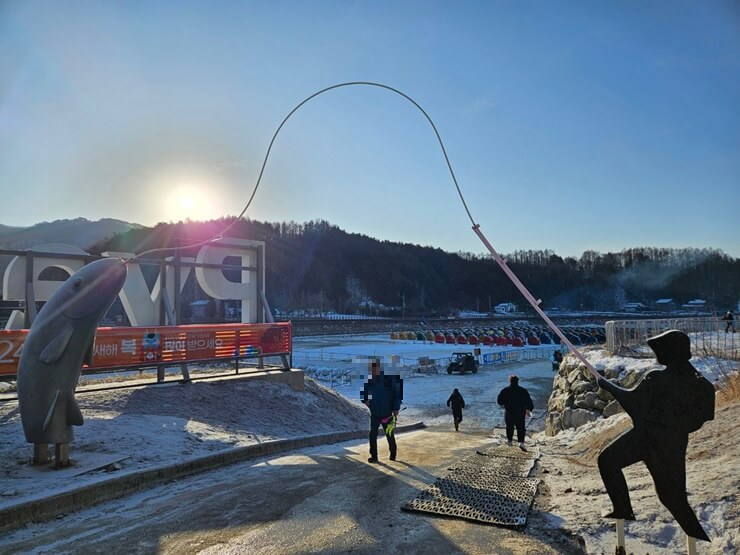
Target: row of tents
x,y
515,336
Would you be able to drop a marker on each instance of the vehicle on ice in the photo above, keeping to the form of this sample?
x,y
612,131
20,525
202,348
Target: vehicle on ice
x,y
462,362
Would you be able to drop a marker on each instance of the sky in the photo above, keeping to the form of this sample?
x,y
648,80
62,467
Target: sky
x,y
570,126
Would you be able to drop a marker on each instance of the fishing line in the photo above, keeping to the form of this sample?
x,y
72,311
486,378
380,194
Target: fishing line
x,y
221,233
476,228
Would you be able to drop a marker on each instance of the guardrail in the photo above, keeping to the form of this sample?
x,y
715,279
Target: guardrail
x,y
127,348
502,356
707,335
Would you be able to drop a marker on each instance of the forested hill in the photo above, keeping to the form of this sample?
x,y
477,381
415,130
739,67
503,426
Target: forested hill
x,y
317,265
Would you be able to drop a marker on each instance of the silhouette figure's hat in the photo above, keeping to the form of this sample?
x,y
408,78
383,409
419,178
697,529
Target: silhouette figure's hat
x,y
670,347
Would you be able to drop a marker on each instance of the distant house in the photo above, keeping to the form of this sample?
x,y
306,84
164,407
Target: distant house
x,y
505,308
697,305
665,305
633,307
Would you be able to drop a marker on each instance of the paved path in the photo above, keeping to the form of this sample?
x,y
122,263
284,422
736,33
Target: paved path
x,y
323,500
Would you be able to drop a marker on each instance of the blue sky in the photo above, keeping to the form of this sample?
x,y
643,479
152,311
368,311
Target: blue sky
x,y
570,125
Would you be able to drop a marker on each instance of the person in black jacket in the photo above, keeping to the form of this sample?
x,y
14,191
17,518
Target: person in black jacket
x,y
383,395
517,404
729,317
457,403
557,359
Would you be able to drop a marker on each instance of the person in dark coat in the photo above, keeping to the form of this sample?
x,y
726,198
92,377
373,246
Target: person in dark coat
x,y
382,395
557,358
665,406
729,317
457,403
518,405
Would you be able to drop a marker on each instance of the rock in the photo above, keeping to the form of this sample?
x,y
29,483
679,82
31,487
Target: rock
x,y
560,401
553,424
575,418
582,387
604,394
586,400
574,375
612,408
591,398
631,379
560,382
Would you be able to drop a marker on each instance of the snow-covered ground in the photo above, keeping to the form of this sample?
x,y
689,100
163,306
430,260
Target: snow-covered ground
x,y
153,426
577,493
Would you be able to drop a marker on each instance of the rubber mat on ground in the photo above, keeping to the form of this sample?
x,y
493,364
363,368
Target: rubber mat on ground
x,y
510,452
508,466
480,496
490,486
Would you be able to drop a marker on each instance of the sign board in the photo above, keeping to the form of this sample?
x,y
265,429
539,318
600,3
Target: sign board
x,y
126,347
501,357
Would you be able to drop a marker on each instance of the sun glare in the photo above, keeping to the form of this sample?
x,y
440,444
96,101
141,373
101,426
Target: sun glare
x,y
189,194
187,202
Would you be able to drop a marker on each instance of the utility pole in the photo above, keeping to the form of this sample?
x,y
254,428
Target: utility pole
x,y
403,305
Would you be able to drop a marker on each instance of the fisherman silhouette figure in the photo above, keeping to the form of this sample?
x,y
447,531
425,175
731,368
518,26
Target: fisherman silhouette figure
x,y
665,406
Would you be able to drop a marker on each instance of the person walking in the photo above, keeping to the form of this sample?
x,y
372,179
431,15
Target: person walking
x,y
729,317
457,403
382,395
557,358
518,405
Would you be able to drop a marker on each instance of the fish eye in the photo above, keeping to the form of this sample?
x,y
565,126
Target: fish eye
x,y
76,283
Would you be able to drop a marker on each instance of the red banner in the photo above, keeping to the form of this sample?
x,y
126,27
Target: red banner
x,y
148,346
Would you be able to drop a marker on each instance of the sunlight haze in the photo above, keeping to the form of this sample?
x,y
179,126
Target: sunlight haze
x,y
570,126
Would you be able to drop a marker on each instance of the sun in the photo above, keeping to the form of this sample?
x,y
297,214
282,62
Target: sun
x,y
187,202
188,193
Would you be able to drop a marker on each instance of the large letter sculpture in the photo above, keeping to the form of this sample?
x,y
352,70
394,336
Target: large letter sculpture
x,y
60,340
665,406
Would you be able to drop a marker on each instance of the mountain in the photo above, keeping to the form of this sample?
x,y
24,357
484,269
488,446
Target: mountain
x,y
79,232
318,266
9,230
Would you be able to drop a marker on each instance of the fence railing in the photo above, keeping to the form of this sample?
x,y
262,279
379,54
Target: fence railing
x,y
514,354
707,335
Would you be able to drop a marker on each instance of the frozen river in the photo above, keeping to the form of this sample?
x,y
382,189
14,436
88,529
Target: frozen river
x,y
340,362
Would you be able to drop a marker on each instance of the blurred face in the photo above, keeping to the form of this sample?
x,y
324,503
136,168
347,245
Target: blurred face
x,y
374,368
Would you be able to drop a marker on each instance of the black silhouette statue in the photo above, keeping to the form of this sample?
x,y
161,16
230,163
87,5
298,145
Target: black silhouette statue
x,y
665,406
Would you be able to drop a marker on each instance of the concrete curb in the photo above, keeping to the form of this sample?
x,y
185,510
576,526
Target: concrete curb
x,y
40,510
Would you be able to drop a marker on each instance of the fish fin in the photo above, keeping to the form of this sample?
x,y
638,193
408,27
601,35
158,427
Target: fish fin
x,y
50,412
74,414
55,349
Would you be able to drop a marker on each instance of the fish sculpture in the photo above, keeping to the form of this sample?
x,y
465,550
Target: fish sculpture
x,y
60,340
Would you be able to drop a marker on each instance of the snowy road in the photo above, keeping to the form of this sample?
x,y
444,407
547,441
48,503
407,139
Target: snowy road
x,y
326,499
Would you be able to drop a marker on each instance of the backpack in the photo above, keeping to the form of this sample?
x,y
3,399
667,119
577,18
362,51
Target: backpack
x,y
394,384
